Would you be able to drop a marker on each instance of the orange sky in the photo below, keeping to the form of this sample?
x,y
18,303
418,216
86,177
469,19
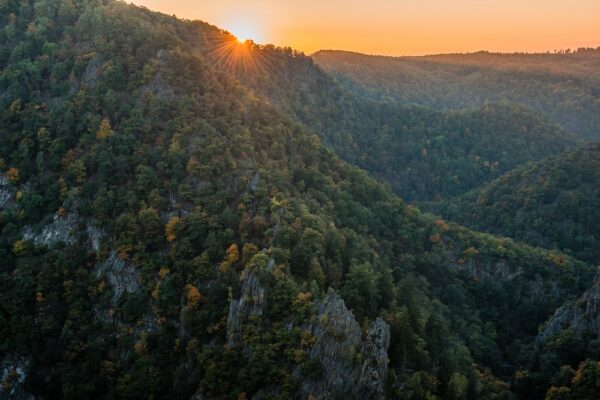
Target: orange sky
x,y
400,27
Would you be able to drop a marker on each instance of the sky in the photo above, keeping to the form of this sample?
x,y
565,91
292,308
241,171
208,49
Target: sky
x,y
400,27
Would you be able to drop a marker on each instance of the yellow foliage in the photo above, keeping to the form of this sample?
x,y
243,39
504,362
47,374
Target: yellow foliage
x,y
278,272
123,251
225,267
164,271
248,251
141,347
307,339
233,254
171,229
175,146
19,247
303,299
192,166
470,252
104,131
63,189
299,356
156,292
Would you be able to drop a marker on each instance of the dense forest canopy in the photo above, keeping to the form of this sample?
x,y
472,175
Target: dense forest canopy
x,y
563,86
172,224
553,203
421,153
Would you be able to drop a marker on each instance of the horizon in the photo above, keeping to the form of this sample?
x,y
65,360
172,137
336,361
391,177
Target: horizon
x,y
384,28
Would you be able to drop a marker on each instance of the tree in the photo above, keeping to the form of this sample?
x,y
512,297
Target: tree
x,y
13,175
360,291
104,131
457,387
172,229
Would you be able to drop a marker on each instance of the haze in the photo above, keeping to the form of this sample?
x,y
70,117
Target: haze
x,y
401,27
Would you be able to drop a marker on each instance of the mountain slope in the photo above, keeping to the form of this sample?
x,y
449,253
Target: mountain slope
x,y
422,154
553,203
564,87
167,232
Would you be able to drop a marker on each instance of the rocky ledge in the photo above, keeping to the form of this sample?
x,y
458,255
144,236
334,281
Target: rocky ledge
x,y
581,315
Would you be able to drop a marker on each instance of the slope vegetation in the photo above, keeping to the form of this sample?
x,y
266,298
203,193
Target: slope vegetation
x,y
167,231
564,87
421,153
553,203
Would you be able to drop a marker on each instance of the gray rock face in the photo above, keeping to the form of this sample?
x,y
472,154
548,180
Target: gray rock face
x,y
500,271
253,184
95,236
121,276
58,231
6,193
12,379
373,376
581,315
159,86
495,271
351,368
92,72
250,304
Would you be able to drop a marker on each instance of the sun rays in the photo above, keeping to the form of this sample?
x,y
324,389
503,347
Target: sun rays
x,y
237,54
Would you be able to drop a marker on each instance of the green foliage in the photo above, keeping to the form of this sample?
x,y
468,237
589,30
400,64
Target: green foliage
x,y
564,86
423,154
199,165
554,203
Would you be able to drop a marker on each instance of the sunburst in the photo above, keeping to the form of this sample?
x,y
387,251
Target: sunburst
x,y
237,54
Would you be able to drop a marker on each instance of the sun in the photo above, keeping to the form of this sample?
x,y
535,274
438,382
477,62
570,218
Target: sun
x,y
245,31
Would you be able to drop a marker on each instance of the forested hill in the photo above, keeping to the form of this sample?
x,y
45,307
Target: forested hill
x,y
564,87
423,154
554,203
167,231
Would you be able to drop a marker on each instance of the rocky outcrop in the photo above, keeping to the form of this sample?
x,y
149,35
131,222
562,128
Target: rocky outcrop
x,y
250,304
58,231
374,371
12,379
523,284
581,315
493,271
95,236
121,276
352,368
159,86
92,72
6,193
253,184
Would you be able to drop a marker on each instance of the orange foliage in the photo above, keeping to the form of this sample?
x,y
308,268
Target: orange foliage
x,y
193,296
13,175
171,229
